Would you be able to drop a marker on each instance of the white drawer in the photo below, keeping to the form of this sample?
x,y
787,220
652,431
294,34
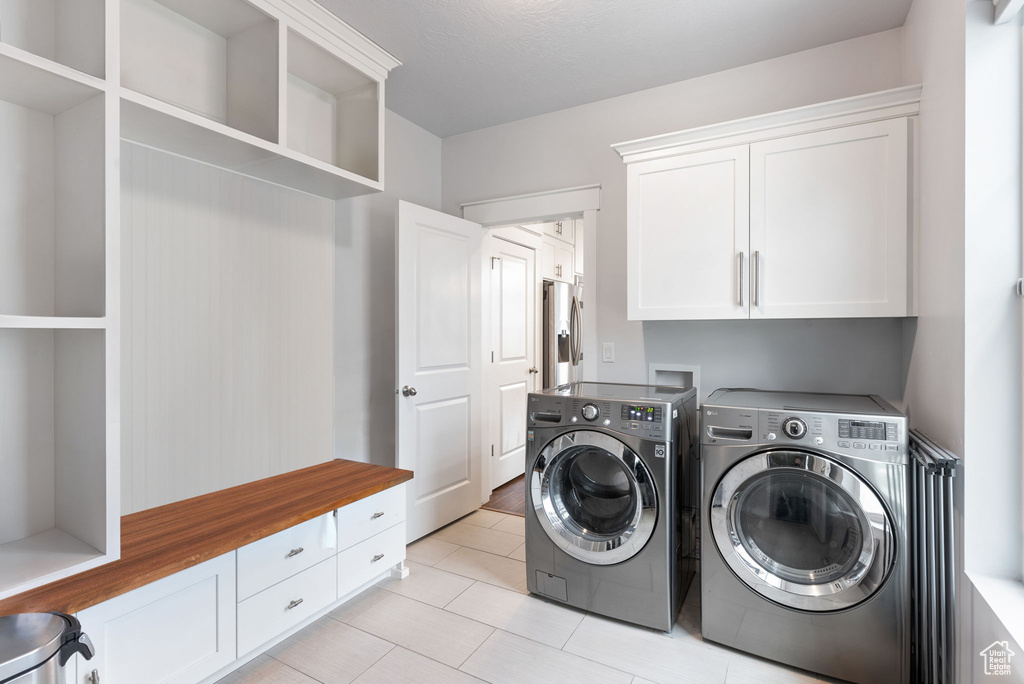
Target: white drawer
x,y
284,605
374,514
268,561
364,561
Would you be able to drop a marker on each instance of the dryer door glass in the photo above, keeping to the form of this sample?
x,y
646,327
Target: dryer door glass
x,y
803,530
800,527
594,497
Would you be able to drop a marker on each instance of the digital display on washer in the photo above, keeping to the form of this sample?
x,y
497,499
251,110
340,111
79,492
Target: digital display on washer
x,y
645,413
868,429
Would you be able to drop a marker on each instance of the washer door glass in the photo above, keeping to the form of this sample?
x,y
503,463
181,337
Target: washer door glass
x,y
803,530
594,497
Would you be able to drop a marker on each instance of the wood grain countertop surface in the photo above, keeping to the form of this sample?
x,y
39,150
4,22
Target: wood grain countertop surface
x,y
161,541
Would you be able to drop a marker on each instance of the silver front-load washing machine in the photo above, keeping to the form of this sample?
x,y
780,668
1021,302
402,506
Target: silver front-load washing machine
x,y
611,498
804,534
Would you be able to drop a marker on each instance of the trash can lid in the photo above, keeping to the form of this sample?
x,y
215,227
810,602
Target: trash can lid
x,y
27,641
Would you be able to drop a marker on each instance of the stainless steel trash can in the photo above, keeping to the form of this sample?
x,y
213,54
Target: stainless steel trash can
x,y
35,647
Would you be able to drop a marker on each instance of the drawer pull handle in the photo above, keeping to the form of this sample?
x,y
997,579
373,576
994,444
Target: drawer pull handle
x,y
377,557
295,552
378,514
293,604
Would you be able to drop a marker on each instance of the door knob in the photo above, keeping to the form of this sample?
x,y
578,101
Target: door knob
x,y
408,391
534,370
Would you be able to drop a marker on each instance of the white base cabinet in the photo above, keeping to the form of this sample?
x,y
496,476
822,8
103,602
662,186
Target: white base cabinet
x,y
807,213
178,630
195,626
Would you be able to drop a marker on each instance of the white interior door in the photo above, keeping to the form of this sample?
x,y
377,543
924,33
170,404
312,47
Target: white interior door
x,y
439,394
513,370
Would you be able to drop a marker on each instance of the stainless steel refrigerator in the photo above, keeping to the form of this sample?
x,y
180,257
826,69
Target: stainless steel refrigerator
x,y
563,333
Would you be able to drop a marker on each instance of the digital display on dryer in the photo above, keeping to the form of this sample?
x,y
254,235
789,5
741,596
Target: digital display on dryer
x,y
638,412
868,430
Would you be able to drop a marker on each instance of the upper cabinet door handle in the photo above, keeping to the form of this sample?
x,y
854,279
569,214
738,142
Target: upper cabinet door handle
x,y
740,258
757,279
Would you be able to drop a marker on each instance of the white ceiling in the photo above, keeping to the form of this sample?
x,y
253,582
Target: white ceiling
x,y
469,64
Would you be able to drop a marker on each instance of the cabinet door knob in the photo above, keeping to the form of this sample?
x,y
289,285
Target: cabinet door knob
x,y
408,391
294,603
534,371
295,552
377,557
378,514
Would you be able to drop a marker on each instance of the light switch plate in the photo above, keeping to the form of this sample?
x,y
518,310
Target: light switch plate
x,y
608,352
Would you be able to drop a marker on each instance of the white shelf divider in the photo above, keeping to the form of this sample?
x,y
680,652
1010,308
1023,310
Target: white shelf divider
x,y
52,323
44,557
36,83
163,126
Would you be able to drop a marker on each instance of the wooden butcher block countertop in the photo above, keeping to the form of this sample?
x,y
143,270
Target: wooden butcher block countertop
x,y
161,541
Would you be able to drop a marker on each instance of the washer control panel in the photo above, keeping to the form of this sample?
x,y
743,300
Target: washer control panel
x,y
590,412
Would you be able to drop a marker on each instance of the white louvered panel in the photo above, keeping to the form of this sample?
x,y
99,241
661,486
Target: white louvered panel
x,y
228,335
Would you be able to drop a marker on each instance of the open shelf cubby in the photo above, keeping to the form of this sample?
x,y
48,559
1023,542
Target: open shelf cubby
x,y
53,493
69,32
333,110
52,210
216,59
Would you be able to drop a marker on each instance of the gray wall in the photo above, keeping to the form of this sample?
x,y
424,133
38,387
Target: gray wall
x,y
364,403
964,383
571,148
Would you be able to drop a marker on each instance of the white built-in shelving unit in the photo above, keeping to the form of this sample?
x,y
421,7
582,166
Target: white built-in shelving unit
x,y
275,89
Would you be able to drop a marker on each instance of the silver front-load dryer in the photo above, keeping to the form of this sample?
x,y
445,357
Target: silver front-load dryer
x,y
611,499
804,540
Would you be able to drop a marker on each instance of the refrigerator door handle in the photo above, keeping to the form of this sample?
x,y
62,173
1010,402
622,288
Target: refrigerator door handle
x,y
575,331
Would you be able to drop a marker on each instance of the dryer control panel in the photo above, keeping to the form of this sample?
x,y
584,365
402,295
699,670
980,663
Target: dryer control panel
x,y
868,437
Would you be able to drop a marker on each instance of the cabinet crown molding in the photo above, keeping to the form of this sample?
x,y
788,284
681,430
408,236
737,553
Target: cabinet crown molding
x,y
314,17
886,104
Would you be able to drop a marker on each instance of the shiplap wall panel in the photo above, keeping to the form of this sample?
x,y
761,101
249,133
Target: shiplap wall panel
x,y
228,329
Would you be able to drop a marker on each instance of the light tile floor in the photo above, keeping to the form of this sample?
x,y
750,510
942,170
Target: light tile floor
x,y
463,615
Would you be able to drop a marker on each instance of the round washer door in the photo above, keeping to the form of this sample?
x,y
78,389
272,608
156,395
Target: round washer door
x,y
594,497
803,530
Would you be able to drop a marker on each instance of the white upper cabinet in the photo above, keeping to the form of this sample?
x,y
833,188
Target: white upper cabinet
x,y
688,236
806,213
556,260
828,223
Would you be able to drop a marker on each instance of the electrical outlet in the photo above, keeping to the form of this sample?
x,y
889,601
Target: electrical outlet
x,y
608,352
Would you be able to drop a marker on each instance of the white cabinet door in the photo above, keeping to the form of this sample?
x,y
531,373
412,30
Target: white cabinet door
x,y
563,230
828,223
178,630
556,260
548,258
563,262
440,359
687,236
577,257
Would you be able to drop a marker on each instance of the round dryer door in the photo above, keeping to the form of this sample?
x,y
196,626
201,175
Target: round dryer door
x,y
803,530
594,497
